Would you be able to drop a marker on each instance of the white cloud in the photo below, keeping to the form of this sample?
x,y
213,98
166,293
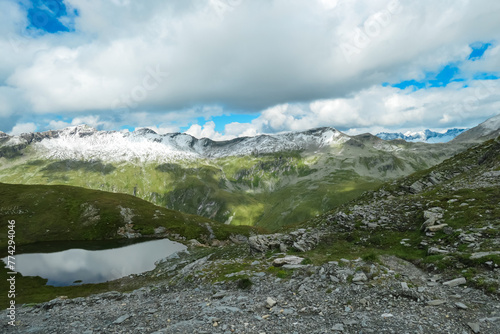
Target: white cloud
x,y
378,109
91,120
281,57
489,62
206,131
23,128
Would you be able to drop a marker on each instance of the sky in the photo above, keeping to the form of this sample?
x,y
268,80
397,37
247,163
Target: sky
x,y
227,68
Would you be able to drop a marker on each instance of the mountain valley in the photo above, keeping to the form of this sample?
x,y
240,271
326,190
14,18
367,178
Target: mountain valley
x,y
268,181
420,252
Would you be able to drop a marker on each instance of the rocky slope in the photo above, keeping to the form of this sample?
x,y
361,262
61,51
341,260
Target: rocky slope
x,y
489,129
337,297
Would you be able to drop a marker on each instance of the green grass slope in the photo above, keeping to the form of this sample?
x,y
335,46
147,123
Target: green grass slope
x,y
50,213
268,190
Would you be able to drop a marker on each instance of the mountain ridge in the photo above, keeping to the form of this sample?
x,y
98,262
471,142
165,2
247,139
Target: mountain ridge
x,y
147,144
486,130
427,136
267,180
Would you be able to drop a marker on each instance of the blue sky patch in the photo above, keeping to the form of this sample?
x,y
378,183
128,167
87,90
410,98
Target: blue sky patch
x,y
441,79
486,76
44,15
221,121
449,73
478,50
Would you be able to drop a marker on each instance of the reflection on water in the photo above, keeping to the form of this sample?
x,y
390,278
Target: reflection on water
x,y
66,267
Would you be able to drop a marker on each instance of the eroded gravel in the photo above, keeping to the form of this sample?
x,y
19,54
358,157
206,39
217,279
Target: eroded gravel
x,y
337,297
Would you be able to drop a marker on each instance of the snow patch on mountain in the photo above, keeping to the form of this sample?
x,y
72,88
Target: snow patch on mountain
x,y
86,143
14,141
427,136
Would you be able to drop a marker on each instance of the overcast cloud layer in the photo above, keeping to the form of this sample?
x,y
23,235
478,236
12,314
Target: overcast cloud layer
x,y
296,64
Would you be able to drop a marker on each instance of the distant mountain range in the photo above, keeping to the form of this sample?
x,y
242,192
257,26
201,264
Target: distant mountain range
x,y
266,180
426,136
487,130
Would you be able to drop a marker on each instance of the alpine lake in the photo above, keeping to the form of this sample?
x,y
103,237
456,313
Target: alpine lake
x,y
76,262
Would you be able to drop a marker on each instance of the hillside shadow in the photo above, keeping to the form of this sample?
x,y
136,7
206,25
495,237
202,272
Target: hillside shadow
x,y
72,165
11,152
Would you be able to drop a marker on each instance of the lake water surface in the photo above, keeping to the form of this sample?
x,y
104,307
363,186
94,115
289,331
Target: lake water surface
x,y
95,266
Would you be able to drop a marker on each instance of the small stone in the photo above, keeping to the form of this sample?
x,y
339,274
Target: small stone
x,y
435,228
435,250
283,248
162,229
338,327
387,315
461,306
436,302
448,230
404,286
122,319
219,295
270,302
265,316
289,259
455,282
359,277
293,266
474,326
479,255
350,322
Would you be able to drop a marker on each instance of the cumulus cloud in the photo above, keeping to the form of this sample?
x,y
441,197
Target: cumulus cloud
x,y
206,131
91,120
23,128
293,61
379,108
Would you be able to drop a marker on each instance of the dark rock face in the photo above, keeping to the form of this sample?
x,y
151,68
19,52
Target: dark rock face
x,y
39,136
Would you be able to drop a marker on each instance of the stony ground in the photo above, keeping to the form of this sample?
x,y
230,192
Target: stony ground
x,y
390,296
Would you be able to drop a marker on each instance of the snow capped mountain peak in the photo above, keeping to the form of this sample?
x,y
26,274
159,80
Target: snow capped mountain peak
x,y
86,143
427,136
80,130
144,131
